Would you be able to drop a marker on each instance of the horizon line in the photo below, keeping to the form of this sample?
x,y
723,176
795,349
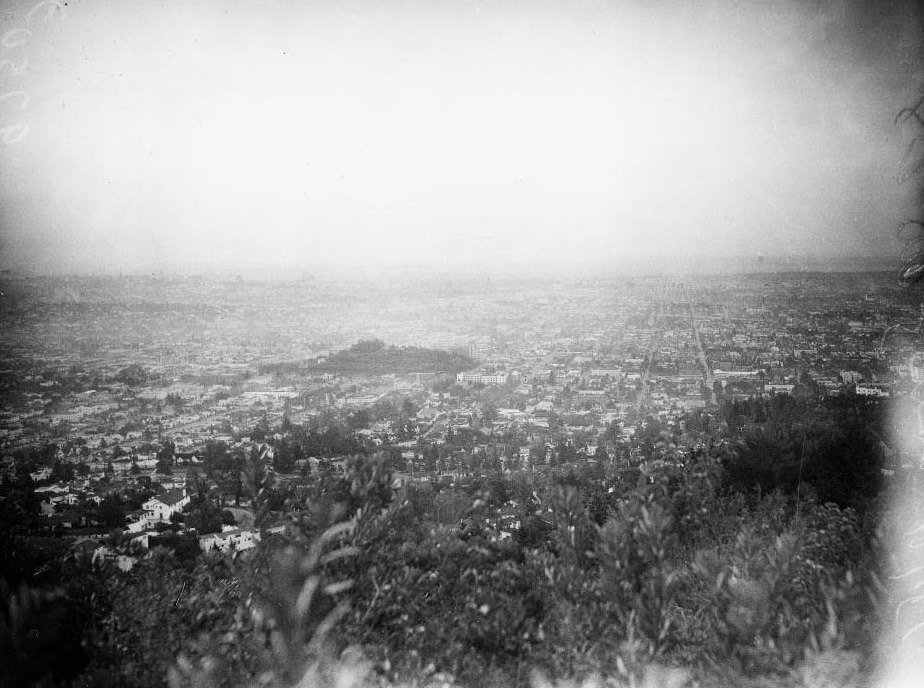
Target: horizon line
x,y
643,267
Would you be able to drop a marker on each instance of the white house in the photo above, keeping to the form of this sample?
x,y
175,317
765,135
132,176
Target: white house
x,y
164,505
41,474
231,539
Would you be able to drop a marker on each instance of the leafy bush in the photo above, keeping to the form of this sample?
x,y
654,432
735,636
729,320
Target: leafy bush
x,y
279,634
39,637
769,608
636,576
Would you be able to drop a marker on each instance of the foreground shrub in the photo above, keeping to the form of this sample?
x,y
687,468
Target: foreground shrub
x,y
635,573
766,616
39,638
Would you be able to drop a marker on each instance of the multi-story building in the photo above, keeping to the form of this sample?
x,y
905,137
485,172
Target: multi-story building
x,y
161,507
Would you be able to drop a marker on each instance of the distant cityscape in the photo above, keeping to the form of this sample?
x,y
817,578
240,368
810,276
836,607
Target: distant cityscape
x,y
108,372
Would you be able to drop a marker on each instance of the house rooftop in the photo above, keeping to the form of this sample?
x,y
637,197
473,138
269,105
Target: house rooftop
x,y
171,497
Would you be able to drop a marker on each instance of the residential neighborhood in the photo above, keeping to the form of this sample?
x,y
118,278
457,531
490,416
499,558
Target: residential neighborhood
x,y
150,433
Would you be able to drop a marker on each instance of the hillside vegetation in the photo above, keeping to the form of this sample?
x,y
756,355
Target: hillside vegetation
x,y
707,565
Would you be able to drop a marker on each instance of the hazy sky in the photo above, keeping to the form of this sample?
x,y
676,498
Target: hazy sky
x,y
154,135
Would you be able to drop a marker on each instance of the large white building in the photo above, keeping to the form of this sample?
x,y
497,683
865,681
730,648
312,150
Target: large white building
x,y
494,379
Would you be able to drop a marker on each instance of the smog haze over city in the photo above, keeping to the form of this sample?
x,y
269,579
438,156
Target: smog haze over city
x,y
461,343
286,136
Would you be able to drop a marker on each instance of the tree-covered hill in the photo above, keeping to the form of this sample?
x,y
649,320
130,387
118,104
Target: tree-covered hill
x,y
370,357
373,357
